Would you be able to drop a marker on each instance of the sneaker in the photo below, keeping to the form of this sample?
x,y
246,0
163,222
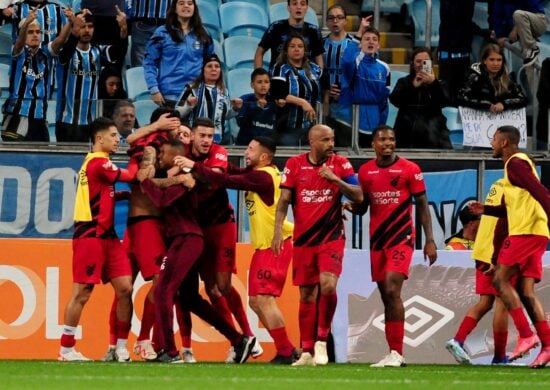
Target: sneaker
x,y
542,359
305,360
524,345
109,355
163,357
531,56
72,356
321,357
257,350
144,349
457,350
393,359
280,359
187,355
242,351
122,355
230,355
499,361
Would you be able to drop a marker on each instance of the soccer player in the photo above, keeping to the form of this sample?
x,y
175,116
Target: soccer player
x,y
489,238
98,254
267,273
389,184
217,220
527,205
314,183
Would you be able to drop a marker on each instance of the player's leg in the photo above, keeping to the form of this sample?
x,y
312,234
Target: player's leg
x,y
183,316
307,319
123,291
500,332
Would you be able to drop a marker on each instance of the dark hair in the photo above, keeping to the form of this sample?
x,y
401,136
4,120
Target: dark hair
x,y
511,133
110,71
121,104
288,2
175,143
337,6
205,122
155,115
258,72
220,84
283,55
173,26
416,52
371,30
381,128
267,143
88,18
100,124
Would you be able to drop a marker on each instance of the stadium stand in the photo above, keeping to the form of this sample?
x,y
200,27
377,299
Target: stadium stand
x,y
242,18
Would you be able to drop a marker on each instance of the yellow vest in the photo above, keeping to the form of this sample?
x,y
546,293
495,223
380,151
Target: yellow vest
x,y
262,216
82,210
484,249
525,214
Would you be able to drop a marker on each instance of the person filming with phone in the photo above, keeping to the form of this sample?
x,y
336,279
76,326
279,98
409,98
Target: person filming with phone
x,y
420,96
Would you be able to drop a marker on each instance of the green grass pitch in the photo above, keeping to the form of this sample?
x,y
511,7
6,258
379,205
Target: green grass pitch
x,y
258,376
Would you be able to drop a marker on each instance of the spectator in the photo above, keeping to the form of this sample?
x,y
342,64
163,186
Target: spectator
x,y
25,109
174,54
366,81
80,62
110,89
302,80
279,31
489,86
207,97
257,116
105,13
124,116
464,239
522,20
419,98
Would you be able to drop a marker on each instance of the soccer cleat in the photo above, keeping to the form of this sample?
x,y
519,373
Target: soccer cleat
x,y
144,349
393,359
280,359
321,357
531,56
499,361
542,359
525,344
109,355
187,355
305,360
242,351
257,350
230,355
457,350
72,356
163,357
122,355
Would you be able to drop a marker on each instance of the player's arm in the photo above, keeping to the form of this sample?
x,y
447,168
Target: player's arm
x,y
162,197
280,215
349,186
423,211
251,180
164,123
358,208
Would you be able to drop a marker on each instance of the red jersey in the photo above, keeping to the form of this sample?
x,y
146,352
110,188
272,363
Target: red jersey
x,y
156,140
316,202
389,191
95,201
214,207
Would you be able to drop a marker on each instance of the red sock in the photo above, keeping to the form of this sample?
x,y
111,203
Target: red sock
x,y
147,320
236,305
122,329
68,341
308,321
327,307
543,331
520,320
395,331
501,338
184,322
221,306
282,343
466,326
112,322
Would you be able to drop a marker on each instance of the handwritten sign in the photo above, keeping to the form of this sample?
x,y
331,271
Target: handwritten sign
x,y
480,126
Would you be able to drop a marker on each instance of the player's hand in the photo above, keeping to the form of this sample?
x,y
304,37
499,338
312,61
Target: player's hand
x,y
173,172
183,163
476,208
166,123
277,243
145,173
327,174
430,251
491,270
187,180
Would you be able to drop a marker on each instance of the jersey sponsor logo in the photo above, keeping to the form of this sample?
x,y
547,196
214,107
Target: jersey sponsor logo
x,y
109,166
31,72
250,207
346,165
220,156
395,181
418,176
317,196
385,197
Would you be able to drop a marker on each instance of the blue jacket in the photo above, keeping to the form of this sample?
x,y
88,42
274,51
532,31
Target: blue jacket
x,y
169,66
365,81
502,20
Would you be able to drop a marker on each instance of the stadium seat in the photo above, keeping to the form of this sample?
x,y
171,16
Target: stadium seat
x,y
455,126
457,138
241,18
238,82
75,4
396,75
386,6
262,3
5,47
239,52
4,80
144,109
210,18
417,10
392,115
135,83
279,11
218,50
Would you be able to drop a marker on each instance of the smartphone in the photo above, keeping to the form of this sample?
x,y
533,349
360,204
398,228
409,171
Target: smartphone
x,y
427,66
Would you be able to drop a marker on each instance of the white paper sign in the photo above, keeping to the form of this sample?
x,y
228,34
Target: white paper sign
x,y
480,126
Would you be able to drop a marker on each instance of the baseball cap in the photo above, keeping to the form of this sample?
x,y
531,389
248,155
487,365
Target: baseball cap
x,y
467,216
210,58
